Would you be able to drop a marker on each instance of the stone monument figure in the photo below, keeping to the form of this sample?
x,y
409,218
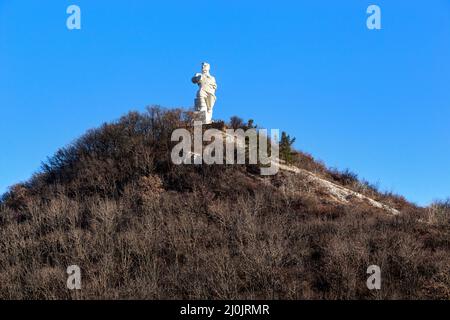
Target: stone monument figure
x,y
206,94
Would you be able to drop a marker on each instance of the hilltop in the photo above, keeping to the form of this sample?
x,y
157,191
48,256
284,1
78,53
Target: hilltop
x,y
142,227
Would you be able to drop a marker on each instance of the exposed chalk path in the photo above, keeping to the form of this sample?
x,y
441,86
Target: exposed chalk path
x,y
338,192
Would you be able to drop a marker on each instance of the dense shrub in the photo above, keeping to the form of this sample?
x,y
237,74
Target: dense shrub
x,y
140,227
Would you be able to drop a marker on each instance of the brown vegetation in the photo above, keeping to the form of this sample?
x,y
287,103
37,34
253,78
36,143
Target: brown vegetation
x,y
141,227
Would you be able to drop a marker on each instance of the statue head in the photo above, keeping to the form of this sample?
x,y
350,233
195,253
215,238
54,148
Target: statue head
x,y
205,68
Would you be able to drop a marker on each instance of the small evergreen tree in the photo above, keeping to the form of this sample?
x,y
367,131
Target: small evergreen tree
x,y
286,143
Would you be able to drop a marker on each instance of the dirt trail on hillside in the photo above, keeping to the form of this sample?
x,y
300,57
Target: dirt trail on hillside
x,y
339,193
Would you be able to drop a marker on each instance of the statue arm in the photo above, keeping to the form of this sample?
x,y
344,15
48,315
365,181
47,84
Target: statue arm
x,y
196,78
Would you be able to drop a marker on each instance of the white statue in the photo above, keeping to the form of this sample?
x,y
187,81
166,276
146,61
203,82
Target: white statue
x,y
206,95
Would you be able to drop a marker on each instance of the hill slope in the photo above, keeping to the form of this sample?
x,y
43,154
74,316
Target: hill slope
x,y
141,227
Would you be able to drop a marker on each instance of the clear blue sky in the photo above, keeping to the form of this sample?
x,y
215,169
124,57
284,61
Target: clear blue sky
x,y
377,102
